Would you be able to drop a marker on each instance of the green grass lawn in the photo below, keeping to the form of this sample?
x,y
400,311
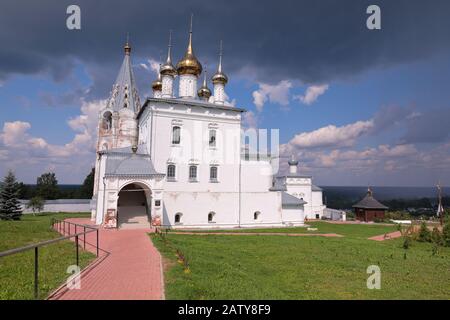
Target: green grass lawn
x,y
277,267
17,271
360,231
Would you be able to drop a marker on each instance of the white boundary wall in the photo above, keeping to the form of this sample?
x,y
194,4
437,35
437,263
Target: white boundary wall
x,y
61,205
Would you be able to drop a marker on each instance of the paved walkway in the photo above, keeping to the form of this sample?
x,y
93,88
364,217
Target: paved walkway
x,y
259,234
386,236
129,268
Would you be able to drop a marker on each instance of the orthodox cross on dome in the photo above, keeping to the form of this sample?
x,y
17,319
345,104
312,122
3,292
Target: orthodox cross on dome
x,y
369,191
125,93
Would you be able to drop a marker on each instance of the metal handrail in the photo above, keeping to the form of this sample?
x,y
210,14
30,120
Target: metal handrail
x,y
60,227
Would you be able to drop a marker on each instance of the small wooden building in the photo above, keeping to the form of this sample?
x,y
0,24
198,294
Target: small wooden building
x,y
369,208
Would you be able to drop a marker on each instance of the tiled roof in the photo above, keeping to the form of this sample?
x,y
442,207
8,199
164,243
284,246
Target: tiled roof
x,y
369,202
124,91
288,200
130,165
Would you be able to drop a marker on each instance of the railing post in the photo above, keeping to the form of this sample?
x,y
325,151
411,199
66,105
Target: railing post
x,y
36,273
76,244
64,227
97,243
84,237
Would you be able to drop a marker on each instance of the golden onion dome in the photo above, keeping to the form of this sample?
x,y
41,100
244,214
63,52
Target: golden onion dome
x,y
167,68
204,92
189,64
219,76
157,84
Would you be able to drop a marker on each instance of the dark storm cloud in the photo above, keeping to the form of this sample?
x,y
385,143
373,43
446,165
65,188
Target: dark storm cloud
x,y
428,127
310,40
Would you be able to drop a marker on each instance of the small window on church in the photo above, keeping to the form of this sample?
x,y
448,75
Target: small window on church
x,y
176,135
212,138
171,172
178,218
213,174
193,173
256,215
211,217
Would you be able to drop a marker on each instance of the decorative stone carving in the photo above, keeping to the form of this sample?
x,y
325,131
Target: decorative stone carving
x,y
110,219
156,221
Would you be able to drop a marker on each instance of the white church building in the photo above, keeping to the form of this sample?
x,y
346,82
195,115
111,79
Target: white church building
x,y
178,160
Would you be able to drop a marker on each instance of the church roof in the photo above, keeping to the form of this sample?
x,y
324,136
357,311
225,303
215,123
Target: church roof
x,y
279,184
369,202
187,102
130,165
288,200
125,150
124,92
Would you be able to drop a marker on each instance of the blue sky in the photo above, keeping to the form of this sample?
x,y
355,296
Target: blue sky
x,y
381,116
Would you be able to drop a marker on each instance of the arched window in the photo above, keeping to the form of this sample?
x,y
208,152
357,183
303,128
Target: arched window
x,y
256,215
178,217
176,135
171,172
107,121
211,217
213,173
212,138
192,173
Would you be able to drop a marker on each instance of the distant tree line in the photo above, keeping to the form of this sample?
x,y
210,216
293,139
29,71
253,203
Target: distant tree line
x,y
47,188
418,206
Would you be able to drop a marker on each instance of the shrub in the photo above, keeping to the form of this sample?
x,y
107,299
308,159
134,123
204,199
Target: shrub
x,y
36,204
446,234
436,237
424,234
406,242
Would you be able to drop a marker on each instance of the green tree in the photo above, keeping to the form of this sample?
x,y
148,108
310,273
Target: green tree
x,y
47,186
424,234
446,234
10,208
436,237
36,204
87,188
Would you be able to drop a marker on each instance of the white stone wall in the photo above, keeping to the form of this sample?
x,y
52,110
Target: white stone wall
x,y
187,86
293,216
219,93
61,205
167,86
301,187
317,204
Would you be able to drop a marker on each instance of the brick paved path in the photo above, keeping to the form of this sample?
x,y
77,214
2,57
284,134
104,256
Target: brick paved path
x,y
129,268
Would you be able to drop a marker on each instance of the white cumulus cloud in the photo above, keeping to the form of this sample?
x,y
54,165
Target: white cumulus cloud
x,y
312,94
332,135
278,93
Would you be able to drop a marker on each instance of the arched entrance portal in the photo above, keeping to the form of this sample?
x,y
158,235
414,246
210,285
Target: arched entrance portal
x,y
133,206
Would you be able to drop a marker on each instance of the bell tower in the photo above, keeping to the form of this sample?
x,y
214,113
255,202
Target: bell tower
x,y
117,123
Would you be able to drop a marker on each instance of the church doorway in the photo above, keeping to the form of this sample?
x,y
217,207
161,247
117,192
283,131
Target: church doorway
x,y
133,206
